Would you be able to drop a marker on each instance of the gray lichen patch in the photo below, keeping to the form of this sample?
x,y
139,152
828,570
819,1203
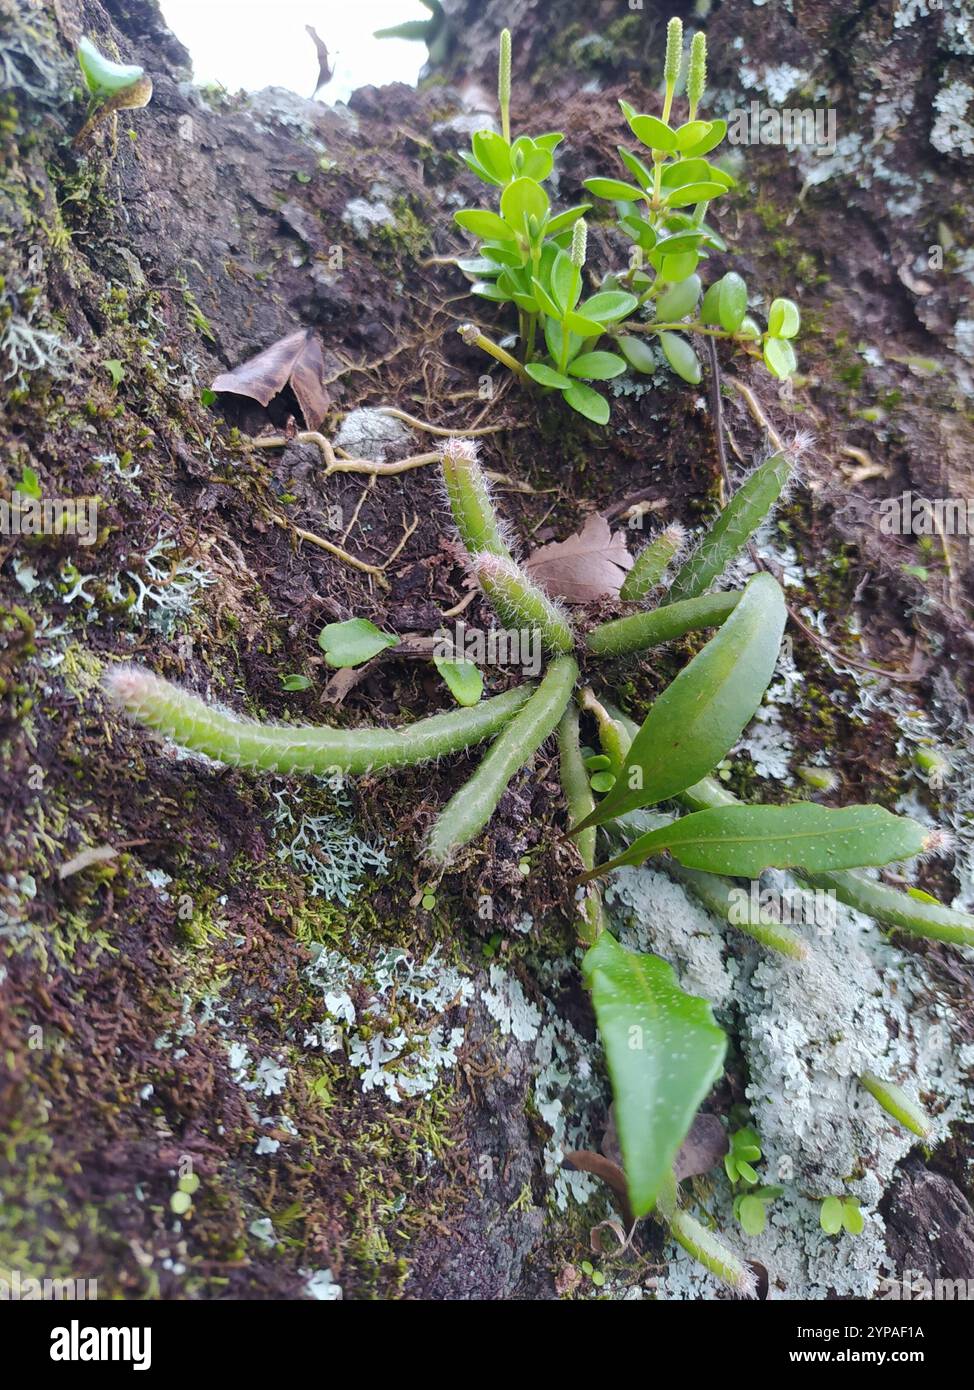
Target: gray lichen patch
x,y
371,434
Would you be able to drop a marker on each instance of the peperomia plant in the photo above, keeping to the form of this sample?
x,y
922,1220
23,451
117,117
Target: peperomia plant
x,y
536,261
664,1050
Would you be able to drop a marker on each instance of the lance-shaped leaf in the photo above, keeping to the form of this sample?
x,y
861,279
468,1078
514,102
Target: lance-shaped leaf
x,y
664,1053
743,841
701,715
729,534
296,361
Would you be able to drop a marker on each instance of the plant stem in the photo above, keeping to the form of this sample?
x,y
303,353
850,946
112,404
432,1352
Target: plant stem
x,y
203,728
580,803
470,808
519,603
622,636
472,335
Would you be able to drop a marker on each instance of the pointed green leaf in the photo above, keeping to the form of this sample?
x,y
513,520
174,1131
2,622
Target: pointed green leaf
x,y
729,534
478,169
636,167
702,713
664,1052
743,841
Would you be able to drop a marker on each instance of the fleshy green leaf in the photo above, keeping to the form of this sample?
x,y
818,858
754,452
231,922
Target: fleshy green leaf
x,y
752,1215
104,78
530,159
718,129
493,153
547,376
636,167
664,1053
694,193
779,357
583,325
691,134
852,1218
478,169
653,133
464,679
548,305
566,219
588,402
680,356
522,199
566,282
597,366
727,537
638,354
614,189
702,713
483,224
678,300
743,841
830,1217
353,642
295,682
608,306
897,1103
784,318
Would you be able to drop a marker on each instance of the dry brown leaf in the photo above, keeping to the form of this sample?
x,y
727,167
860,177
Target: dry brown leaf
x,y
296,360
587,566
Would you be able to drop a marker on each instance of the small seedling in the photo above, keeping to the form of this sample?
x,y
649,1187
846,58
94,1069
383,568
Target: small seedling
x,y
745,1150
536,260
112,87
751,1208
841,1213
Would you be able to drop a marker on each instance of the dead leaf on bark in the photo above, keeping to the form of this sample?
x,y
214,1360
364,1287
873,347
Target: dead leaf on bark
x,y
295,361
587,566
